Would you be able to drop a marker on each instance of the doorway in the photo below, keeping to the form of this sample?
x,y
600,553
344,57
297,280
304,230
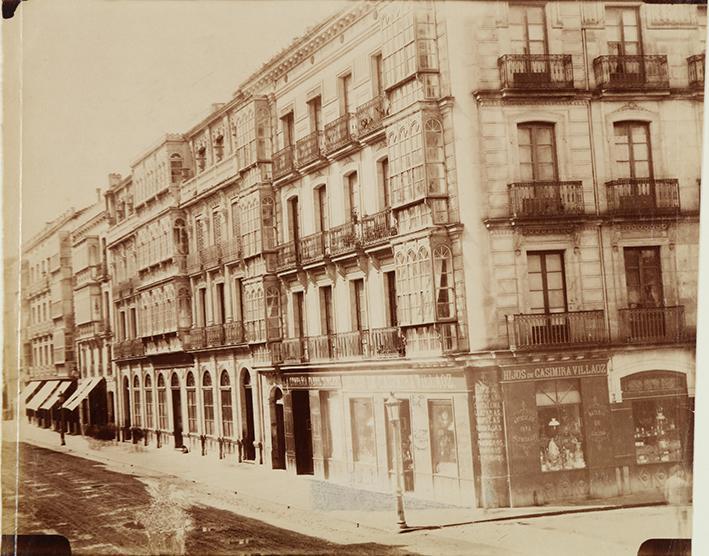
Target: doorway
x,y
278,440
248,427
303,432
176,410
126,410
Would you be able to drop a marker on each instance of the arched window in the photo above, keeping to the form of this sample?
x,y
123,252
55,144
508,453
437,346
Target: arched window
x,y
175,168
137,416
148,403
179,231
162,400
444,282
175,381
191,403
225,395
208,399
219,147
201,158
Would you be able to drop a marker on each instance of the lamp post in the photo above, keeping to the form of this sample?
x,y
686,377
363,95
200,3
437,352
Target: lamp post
x,y
393,407
61,400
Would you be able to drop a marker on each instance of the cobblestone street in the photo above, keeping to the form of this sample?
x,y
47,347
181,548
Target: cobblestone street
x,y
101,511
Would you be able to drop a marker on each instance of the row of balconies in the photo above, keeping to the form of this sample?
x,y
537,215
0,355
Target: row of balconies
x,y
368,231
90,330
40,329
625,197
90,274
215,335
212,256
339,134
538,72
642,325
38,286
128,349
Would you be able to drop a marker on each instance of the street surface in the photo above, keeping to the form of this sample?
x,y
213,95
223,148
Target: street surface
x,y
103,510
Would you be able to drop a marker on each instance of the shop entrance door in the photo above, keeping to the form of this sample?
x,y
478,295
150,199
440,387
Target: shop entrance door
x,y
177,416
303,432
278,439
126,410
406,453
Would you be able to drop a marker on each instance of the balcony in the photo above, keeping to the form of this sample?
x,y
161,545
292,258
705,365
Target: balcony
x,y
546,199
308,149
343,239
320,348
128,349
312,248
386,343
123,289
136,348
642,197
377,228
536,72
349,345
695,65
89,275
293,350
622,73
194,263
652,325
231,250
339,133
529,331
197,338
212,255
284,162
90,330
233,333
38,286
370,117
286,256
215,335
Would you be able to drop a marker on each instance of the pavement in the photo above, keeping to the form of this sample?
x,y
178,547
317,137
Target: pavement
x,y
312,507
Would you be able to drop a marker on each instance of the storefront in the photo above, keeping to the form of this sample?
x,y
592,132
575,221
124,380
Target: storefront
x,y
558,433
336,428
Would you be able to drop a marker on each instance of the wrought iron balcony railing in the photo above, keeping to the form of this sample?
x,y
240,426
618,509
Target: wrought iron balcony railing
x,y
378,227
90,329
536,71
631,72
136,347
386,343
293,350
233,333
370,116
343,238
546,199
312,248
652,325
212,255
194,262
339,133
309,149
284,162
320,348
197,338
348,345
642,197
231,250
695,65
215,335
556,329
286,256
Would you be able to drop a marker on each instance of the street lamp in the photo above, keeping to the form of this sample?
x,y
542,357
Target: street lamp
x,y
393,407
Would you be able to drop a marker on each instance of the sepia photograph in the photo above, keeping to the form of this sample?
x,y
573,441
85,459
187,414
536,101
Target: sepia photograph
x,y
368,277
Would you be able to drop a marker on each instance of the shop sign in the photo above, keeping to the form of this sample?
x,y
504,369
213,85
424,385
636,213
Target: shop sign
x,y
313,381
556,370
409,382
653,384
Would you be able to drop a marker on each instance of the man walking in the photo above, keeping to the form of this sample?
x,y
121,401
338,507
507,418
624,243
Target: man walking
x,y
678,493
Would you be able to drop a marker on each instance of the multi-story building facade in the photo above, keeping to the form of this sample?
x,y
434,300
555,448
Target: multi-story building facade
x,y
488,210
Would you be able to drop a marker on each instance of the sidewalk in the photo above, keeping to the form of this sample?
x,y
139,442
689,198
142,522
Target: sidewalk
x,y
353,508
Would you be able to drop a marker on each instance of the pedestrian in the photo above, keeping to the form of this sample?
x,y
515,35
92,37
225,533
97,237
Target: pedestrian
x,y
678,494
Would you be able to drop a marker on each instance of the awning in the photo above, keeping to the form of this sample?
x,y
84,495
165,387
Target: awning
x,y
54,398
86,385
30,390
42,395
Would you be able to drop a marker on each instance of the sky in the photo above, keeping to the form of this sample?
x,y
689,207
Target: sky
x,y
102,80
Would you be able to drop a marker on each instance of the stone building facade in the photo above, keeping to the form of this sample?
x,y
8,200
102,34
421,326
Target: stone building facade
x,y
487,209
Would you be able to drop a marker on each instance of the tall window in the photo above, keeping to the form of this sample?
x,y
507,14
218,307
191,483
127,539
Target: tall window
x,y
444,452
345,93
321,212
383,183
191,403
632,150
352,209
527,30
377,76
220,307
202,307
414,288
137,414
623,31
537,152
217,226
409,44
148,402
315,114
547,287
208,399
390,289
225,395
235,217
287,125
298,315
358,304
363,438
273,312
162,400
175,168
251,225
254,313
201,158
643,276
200,233
219,147
560,428
293,219
327,325
444,282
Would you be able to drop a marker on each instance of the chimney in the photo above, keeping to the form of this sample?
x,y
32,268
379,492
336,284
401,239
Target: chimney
x,y
113,179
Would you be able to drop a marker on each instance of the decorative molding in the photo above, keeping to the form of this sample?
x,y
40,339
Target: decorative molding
x,y
632,106
592,14
643,227
670,15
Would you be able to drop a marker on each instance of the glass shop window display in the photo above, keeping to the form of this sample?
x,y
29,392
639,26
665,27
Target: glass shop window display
x,y
443,446
657,432
560,427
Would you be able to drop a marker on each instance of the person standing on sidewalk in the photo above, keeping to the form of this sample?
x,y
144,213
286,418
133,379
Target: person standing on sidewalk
x,y
678,493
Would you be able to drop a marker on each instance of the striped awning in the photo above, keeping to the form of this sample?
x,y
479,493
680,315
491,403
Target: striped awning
x,y
30,390
54,397
85,387
40,397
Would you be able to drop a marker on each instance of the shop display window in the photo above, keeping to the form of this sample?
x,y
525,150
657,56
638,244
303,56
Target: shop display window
x,y
560,428
443,446
363,439
657,431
